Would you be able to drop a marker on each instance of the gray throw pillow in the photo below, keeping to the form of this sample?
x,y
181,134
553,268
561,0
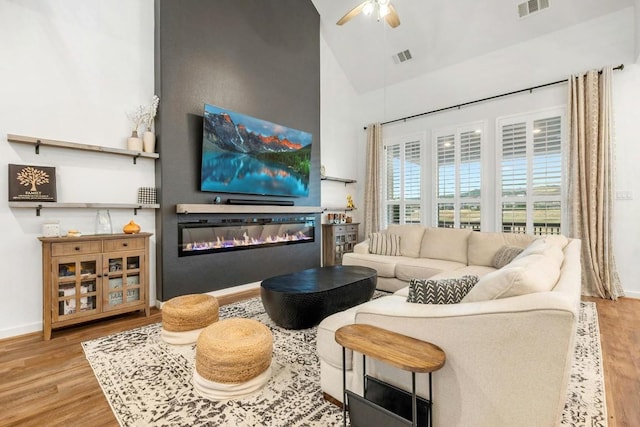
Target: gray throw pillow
x,y
505,255
443,291
384,244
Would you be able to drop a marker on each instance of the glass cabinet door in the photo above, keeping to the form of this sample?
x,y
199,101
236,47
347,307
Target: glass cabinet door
x,y
123,280
75,287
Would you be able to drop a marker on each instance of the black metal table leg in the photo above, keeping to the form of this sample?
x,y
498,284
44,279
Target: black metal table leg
x,y
430,414
344,387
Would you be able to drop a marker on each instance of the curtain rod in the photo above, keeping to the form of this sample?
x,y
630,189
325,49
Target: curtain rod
x,y
464,104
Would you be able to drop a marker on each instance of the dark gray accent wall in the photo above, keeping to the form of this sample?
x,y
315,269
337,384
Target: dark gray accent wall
x,y
256,57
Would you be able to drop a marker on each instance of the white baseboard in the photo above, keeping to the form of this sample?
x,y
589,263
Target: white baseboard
x,y
632,294
223,292
21,330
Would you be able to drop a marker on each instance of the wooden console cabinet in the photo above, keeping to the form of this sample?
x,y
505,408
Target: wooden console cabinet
x,y
91,277
337,240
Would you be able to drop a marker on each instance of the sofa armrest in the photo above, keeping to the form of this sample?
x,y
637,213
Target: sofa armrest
x,y
507,361
362,247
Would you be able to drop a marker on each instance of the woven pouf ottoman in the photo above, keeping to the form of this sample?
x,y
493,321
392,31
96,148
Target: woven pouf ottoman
x,y
184,317
233,359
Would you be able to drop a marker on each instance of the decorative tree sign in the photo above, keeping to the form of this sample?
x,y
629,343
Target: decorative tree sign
x,y
32,183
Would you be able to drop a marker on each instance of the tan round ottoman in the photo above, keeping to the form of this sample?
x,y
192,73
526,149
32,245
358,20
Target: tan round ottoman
x,y
233,359
184,317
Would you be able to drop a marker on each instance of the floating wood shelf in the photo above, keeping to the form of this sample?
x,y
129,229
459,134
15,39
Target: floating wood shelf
x,y
61,205
41,142
245,209
340,209
336,179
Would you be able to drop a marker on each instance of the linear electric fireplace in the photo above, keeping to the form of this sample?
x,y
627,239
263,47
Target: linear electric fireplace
x,y
212,236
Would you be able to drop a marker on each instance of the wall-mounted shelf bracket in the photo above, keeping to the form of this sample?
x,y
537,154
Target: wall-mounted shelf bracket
x,y
38,142
135,159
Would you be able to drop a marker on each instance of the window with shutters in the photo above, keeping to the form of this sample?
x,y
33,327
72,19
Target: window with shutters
x,y
403,186
530,176
458,176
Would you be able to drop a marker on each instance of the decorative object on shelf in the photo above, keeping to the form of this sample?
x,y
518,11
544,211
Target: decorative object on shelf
x,y
147,195
148,137
349,220
103,222
350,204
32,183
131,228
74,233
323,171
51,229
134,142
335,218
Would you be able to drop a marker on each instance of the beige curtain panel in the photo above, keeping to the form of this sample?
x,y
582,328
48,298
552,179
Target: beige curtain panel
x,y
373,180
591,193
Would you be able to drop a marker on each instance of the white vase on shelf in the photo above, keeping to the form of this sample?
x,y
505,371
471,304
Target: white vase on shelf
x,y
134,143
149,141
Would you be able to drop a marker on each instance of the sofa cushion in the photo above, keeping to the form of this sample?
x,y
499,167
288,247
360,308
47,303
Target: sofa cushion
x,y
423,268
410,238
505,255
549,248
534,273
385,265
471,270
483,246
443,291
445,243
384,244
328,349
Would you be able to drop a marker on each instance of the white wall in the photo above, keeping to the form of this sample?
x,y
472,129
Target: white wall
x,y
340,128
626,104
609,40
71,69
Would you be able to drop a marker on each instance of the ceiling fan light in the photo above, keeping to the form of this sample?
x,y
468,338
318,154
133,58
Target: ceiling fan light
x,y
384,10
368,9
383,2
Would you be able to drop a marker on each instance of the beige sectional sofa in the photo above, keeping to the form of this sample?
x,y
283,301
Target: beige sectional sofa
x,y
508,343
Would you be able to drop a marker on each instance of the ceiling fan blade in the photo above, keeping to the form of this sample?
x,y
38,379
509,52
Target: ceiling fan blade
x,y
392,17
352,13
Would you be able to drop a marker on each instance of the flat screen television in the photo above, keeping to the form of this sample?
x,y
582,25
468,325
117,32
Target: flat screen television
x,y
245,155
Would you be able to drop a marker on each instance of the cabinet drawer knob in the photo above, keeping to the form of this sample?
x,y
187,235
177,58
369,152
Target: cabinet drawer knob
x,y
77,248
125,244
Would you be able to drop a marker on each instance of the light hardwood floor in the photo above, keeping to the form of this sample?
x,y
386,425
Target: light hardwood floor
x,y
50,383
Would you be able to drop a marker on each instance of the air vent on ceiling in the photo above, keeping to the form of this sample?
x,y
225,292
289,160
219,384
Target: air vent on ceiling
x,y
531,6
403,56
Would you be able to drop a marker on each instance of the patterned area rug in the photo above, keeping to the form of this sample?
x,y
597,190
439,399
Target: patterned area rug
x,y
148,383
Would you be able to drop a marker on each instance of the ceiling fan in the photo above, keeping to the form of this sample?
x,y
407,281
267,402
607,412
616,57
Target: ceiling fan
x,y
382,8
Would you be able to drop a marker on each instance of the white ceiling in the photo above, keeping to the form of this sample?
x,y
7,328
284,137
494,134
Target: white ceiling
x,y
440,33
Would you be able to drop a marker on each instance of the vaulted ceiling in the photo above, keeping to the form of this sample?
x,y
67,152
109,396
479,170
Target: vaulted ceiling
x,y
439,33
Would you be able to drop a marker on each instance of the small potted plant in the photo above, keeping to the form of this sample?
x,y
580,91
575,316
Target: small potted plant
x,y
148,137
136,118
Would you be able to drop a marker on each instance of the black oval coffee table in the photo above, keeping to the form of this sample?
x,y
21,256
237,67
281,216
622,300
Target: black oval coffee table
x,y
302,299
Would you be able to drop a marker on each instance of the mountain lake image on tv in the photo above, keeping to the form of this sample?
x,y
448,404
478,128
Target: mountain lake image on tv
x,y
242,154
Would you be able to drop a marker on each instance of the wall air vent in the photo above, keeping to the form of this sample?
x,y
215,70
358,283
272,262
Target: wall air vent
x,y
531,6
403,56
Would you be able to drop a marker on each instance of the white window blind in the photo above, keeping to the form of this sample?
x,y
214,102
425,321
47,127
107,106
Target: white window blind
x,y
531,179
404,182
459,177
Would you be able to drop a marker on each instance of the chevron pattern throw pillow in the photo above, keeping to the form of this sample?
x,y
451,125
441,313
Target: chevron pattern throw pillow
x,y
443,291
